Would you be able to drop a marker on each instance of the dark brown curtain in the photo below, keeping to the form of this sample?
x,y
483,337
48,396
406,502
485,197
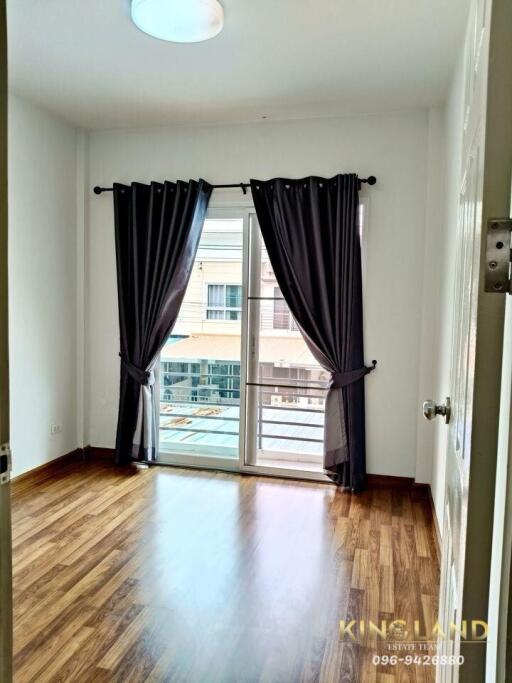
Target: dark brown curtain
x,y
157,231
310,230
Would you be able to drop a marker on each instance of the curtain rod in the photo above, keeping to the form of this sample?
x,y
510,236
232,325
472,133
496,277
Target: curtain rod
x,y
371,180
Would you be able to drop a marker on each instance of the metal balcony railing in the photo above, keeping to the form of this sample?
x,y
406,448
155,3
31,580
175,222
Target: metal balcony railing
x,y
276,424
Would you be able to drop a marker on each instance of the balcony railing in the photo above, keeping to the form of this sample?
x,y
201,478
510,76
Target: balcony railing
x,y
204,414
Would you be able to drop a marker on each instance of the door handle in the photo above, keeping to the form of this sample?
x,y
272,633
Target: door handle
x,y
431,409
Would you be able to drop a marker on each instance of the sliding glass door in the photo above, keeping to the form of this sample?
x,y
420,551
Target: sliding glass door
x,y
200,366
285,386
239,387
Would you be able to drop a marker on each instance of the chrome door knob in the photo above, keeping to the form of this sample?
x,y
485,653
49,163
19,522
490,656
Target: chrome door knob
x,y
431,409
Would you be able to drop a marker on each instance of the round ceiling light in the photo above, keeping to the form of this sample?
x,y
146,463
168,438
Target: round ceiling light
x,y
179,21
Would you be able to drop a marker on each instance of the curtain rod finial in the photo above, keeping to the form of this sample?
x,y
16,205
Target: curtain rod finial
x,y
97,190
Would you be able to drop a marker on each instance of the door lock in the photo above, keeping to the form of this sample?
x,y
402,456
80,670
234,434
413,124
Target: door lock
x,y
497,256
431,409
5,463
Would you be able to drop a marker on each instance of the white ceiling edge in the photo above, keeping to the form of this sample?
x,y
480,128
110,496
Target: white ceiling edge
x,y
232,121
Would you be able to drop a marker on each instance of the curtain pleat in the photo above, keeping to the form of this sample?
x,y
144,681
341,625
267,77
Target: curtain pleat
x,y
157,232
310,230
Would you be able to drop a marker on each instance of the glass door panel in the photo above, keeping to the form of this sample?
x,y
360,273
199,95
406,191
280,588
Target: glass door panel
x,y
286,387
200,364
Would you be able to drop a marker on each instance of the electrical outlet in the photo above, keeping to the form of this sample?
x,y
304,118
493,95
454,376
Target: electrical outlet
x,y
55,429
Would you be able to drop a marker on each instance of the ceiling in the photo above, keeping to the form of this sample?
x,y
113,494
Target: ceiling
x,y
85,61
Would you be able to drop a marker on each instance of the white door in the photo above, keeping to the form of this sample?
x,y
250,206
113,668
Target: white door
x,y
477,342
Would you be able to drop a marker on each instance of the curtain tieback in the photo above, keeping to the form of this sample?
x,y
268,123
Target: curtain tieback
x,y
144,377
343,379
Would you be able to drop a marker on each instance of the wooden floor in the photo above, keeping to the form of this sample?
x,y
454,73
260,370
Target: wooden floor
x,y
186,576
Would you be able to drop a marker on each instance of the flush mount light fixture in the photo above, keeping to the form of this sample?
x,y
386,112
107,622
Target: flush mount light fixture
x,y
179,21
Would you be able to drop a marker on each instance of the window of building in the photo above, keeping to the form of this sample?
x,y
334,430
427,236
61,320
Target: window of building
x,y
283,319
224,302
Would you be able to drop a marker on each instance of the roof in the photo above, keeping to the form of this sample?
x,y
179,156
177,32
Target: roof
x,y
273,349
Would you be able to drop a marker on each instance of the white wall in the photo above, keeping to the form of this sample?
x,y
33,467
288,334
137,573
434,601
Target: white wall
x,y
446,273
42,284
430,302
394,147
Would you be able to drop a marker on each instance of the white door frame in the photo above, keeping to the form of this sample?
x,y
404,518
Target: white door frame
x,y
5,492
499,591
